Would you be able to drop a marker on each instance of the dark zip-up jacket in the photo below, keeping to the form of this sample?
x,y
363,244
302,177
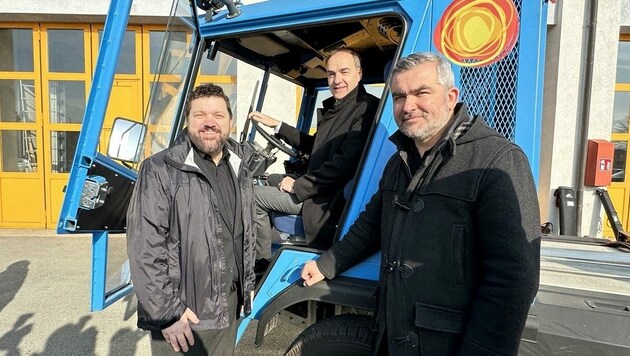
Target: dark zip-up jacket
x,y
335,152
174,239
460,244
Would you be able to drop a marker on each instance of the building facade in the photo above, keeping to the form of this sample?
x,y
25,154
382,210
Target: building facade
x,y
47,56
586,96
48,51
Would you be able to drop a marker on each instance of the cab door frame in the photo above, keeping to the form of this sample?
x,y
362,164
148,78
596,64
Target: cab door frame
x,y
86,155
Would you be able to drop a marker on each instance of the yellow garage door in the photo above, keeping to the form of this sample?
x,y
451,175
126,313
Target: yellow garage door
x,y
619,190
21,173
45,74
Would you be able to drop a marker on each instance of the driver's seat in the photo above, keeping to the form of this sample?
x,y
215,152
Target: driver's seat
x,y
291,226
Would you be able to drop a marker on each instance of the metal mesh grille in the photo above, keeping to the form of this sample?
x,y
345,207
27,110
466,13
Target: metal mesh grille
x,y
490,91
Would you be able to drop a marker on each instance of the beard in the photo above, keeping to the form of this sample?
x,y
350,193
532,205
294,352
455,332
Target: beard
x,y
209,145
423,132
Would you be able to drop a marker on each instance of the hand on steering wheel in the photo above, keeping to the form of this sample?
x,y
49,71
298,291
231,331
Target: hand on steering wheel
x,y
263,119
258,118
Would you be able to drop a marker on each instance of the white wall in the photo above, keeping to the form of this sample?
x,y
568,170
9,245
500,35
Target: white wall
x,y
280,103
142,11
565,69
625,15
76,10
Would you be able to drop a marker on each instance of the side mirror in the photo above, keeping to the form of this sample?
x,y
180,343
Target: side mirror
x,y
126,139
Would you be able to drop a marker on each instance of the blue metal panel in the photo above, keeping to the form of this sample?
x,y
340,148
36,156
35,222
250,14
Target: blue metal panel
x,y
112,298
99,268
115,166
508,93
530,81
285,13
286,271
86,154
491,90
420,29
381,148
115,26
99,299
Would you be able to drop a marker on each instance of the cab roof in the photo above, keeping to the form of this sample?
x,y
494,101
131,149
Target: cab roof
x,y
265,35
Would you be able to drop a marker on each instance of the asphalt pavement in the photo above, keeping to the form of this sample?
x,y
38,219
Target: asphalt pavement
x,y
45,303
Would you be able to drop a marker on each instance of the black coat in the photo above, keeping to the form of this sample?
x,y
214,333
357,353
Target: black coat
x,y
460,244
174,240
335,152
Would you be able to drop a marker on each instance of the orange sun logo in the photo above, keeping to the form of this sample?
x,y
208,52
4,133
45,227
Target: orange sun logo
x,y
477,32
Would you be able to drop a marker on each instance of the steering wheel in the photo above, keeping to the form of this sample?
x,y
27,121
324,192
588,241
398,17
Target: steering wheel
x,y
273,140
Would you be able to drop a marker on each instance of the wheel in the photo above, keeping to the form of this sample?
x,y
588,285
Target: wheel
x,y
346,334
273,140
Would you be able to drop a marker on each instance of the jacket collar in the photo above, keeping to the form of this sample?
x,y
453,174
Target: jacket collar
x,y
351,98
182,154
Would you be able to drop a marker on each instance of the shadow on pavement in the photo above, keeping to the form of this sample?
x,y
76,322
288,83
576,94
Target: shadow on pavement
x,y
72,339
11,281
131,306
9,342
125,342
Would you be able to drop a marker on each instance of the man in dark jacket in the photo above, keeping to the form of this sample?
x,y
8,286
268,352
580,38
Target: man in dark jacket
x,y
456,219
190,233
335,150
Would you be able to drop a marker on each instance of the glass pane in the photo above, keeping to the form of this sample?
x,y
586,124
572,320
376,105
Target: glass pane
x,y
19,151
17,100
62,147
163,103
170,61
118,274
623,62
621,112
127,57
156,38
67,101
619,161
16,49
176,47
158,141
65,51
223,64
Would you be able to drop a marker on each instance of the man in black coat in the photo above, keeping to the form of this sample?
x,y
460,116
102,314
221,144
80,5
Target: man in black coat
x,y
335,151
456,219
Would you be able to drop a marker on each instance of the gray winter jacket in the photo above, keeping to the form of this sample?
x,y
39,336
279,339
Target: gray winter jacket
x,y
174,242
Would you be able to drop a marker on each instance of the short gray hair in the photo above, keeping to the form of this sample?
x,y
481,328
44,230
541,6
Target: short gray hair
x,y
445,75
355,56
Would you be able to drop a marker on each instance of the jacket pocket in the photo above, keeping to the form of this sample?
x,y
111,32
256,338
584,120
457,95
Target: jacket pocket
x,y
458,255
440,319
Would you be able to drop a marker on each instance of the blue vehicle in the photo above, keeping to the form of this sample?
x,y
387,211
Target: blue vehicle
x,y
273,46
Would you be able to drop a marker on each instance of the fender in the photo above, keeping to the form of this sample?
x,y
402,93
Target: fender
x,y
345,291
282,286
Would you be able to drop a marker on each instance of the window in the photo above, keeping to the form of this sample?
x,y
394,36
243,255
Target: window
x,y
66,51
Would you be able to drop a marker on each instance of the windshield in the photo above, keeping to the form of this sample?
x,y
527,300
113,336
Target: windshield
x,y
170,70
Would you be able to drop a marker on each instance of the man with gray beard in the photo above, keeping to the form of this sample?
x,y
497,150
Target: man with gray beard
x,y
456,219
190,234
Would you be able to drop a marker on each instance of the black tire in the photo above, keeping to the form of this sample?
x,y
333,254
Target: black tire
x,y
346,334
